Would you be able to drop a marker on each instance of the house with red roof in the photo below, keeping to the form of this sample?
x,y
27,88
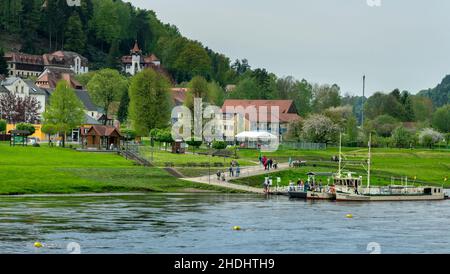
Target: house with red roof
x,y
27,65
258,115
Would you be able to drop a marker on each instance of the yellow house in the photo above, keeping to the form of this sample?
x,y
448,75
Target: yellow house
x,y
38,134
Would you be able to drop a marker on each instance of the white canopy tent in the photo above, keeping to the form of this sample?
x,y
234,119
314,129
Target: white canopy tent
x,y
255,135
251,139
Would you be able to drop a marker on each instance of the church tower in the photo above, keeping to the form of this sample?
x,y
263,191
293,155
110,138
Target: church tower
x,y
136,55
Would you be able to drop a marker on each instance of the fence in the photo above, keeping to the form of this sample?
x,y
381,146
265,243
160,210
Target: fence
x,y
304,145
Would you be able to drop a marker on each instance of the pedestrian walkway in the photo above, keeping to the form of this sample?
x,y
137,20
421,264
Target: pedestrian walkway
x,y
245,172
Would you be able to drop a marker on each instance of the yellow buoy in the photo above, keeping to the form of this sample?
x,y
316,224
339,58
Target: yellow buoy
x,y
38,245
349,216
236,227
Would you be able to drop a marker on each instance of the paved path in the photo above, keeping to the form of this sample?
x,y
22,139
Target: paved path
x,y
245,172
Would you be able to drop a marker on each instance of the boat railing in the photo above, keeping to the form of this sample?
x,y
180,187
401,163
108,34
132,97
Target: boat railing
x,y
324,189
389,190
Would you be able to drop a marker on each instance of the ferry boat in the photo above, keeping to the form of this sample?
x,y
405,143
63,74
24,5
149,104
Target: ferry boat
x,y
352,190
313,191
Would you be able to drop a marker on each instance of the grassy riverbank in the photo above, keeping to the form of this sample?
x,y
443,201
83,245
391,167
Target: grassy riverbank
x,y
38,170
428,166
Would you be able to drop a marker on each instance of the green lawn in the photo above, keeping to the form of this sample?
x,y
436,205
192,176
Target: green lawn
x,y
161,158
428,166
31,170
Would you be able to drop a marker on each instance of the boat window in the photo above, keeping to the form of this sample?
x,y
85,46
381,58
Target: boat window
x,y
434,190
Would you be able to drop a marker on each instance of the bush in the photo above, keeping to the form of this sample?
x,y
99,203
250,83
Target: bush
x,y
194,144
219,145
402,138
25,126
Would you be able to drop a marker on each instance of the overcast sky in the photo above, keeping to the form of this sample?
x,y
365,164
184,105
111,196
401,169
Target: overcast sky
x,y
401,44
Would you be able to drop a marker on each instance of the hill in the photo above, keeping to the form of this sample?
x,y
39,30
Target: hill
x,y
104,30
440,95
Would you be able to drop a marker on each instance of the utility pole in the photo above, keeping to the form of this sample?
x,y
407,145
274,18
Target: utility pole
x,y
363,100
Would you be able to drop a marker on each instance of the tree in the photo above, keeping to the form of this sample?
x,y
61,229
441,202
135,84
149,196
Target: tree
x,y
26,127
122,113
150,102
129,134
161,136
113,59
266,84
49,129
402,138
246,89
339,115
319,128
429,137
302,97
30,25
65,110
384,125
241,67
3,65
210,93
295,130
106,87
351,128
165,136
298,91
198,88
380,104
192,60
216,93
441,118
16,109
75,37
422,108
408,107
2,126
325,96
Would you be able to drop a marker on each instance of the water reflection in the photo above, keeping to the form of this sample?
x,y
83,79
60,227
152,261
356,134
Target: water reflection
x,y
201,223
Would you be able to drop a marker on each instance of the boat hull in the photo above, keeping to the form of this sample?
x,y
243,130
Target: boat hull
x,y
313,195
374,198
297,194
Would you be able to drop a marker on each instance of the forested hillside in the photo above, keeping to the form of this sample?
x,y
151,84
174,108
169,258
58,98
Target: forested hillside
x,y
440,95
104,30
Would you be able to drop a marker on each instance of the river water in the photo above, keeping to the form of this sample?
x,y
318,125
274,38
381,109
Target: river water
x,y
203,223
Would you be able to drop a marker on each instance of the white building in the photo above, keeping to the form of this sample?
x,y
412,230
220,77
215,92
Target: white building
x,y
136,61
27,65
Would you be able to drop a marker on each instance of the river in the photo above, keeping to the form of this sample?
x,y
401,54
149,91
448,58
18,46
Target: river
x,y
203,223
